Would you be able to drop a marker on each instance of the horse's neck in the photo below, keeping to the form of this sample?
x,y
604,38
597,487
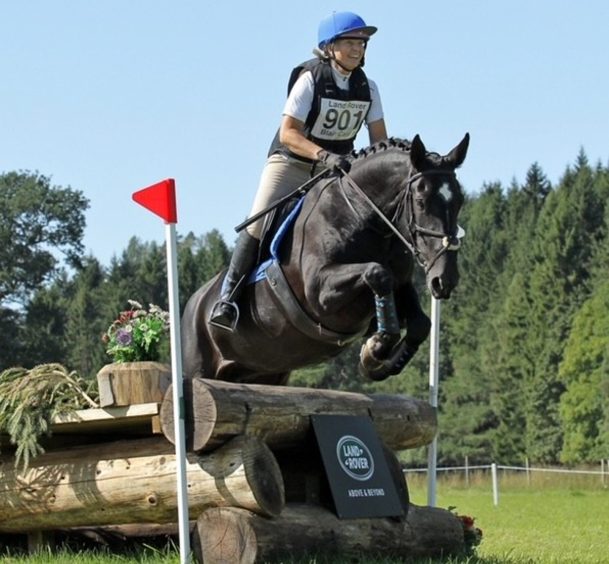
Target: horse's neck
x,y
379,185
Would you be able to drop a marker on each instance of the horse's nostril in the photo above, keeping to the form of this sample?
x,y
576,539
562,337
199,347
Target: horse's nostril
x,y
436,285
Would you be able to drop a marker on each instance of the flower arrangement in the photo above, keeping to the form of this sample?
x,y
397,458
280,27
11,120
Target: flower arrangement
x,y
136,334
472,534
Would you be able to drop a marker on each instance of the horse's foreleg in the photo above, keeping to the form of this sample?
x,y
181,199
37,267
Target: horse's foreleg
x,y
411,315
382,354
417,326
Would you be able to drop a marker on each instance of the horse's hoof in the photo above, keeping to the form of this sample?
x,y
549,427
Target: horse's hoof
x,y
376,375
378,370
370,366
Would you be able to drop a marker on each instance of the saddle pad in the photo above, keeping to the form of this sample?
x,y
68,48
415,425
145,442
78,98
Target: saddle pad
x,y
260,272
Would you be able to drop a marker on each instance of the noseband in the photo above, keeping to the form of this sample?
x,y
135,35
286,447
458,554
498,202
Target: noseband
x,y
449,242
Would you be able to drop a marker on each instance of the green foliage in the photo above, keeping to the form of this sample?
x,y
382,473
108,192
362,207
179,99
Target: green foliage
x,y
584,370
31,399
38,222
137,334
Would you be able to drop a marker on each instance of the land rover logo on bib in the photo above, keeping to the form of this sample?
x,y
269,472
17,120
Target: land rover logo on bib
x,y
355,458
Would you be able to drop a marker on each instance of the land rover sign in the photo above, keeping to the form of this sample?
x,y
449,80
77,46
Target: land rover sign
x,y
355,465
355,458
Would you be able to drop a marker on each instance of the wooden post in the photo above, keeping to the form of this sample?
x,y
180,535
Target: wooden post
x,y
495,484
128,383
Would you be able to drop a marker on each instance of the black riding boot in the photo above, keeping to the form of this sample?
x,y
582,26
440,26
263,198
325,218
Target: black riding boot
x,y
226,312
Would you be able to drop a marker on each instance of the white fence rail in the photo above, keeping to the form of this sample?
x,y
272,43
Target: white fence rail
x,y
603,472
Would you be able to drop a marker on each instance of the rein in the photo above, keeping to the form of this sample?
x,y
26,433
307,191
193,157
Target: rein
x,y
449,243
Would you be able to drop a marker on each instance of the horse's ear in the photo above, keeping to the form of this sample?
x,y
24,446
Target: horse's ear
x,y
456,157
418,153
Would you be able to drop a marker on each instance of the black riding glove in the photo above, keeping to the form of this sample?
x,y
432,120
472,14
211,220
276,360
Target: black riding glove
x,y
334,161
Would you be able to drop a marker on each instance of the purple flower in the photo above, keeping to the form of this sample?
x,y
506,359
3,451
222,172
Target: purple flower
x,y
124,337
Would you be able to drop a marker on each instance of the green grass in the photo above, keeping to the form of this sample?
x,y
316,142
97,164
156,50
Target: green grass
x,y
554,519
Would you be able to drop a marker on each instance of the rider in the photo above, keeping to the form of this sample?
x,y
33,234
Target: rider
x,y
329,99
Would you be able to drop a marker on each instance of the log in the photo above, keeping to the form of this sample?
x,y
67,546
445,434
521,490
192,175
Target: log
x,y
134,482
216,411
238,536
128,383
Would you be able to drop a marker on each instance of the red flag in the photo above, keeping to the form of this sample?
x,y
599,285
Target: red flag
x,y
160,198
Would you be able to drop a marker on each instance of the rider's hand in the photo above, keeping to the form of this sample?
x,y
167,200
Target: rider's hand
x,y
334,161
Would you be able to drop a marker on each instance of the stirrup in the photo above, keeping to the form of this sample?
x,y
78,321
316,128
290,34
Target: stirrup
x,y
222,319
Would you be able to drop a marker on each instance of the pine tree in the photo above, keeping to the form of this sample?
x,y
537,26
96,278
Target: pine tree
x,y
84,325
584,372
568,225
466,418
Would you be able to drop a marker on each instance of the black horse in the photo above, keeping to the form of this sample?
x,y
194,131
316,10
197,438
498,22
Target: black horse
x,y
343,270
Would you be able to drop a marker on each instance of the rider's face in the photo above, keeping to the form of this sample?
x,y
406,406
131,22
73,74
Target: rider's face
x,y
349,51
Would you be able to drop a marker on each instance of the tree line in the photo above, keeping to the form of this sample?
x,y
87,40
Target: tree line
x,y
524,347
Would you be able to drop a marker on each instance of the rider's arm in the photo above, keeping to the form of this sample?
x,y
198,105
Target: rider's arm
x,y
375,121
377,131
291,135
297,108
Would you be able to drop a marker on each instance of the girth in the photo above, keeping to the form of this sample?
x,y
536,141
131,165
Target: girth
x,y
299,318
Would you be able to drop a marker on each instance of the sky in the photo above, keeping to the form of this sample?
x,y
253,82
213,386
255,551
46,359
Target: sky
x,y
111,97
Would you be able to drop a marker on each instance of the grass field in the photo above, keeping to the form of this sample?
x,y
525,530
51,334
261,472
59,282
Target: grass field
x,y
554,519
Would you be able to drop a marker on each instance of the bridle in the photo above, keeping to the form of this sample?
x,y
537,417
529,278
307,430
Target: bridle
x,y
449,242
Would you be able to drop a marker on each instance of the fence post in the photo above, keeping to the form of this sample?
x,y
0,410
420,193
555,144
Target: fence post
x,y
603,471
495,484
467,470
526,463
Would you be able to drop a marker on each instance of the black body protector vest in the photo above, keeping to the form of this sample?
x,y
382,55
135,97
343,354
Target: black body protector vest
x,y
336,115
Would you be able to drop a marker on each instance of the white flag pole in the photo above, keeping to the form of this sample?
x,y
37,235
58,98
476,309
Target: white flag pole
x,y
178,392
434,358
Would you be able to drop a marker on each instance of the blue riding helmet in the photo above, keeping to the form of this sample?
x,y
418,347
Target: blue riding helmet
x,y
340,23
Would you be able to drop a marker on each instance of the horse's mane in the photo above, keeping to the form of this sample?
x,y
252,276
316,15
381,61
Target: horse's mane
x,y
386,144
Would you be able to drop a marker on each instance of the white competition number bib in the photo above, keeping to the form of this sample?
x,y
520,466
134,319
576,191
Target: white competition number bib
x,y
339,119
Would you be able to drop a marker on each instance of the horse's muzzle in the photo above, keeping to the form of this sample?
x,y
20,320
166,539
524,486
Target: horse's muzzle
x,y
442,281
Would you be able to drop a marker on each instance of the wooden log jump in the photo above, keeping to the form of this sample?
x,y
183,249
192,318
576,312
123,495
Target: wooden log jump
x,y
280,415
238,536
135,482
257,487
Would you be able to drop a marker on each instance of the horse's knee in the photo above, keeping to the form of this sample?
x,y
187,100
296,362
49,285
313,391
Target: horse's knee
x,y
379,279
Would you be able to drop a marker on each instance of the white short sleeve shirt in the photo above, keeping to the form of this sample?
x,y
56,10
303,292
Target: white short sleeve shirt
x,y
299,102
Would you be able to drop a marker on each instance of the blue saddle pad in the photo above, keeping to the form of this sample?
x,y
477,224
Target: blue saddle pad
x,y
260,272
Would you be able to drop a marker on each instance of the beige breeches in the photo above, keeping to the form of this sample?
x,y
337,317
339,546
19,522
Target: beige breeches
x,y
281,176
